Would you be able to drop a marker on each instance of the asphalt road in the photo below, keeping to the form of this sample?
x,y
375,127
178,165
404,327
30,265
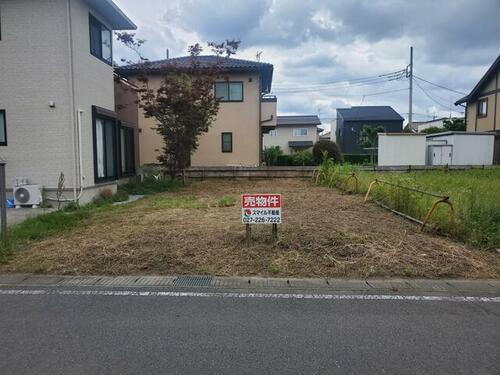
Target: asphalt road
x,y
78,334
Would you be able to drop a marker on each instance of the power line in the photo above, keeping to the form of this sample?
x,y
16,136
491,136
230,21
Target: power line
x,y
434,100
442,87
381,77
301,89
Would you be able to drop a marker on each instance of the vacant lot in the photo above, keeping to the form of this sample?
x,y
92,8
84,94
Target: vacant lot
x,y
198,230
474,194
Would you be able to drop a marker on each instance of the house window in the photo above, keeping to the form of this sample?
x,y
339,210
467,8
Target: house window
x,y
127,152
482,108
100,40
3,128
227,142
229,91
273,133
105,144
300,132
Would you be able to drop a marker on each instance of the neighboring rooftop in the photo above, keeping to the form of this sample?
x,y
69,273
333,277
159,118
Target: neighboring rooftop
x,y
309,120
114,15
370,113
493,69
228,65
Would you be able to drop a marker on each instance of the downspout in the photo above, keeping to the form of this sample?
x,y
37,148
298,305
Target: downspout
x,y
72,93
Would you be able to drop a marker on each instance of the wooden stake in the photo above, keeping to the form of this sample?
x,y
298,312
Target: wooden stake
x,y
275,233
248,234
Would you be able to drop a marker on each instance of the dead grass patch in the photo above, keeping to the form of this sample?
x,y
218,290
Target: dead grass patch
x,y
198,230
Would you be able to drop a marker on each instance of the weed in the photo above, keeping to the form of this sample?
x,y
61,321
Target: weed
x,y
226,201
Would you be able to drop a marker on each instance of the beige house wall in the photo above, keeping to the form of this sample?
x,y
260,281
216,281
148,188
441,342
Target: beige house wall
x,y
239,118
492,120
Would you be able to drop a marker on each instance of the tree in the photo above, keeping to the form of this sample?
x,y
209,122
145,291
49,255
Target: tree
x,y
369,136
184,105
454,124
432,130
331,148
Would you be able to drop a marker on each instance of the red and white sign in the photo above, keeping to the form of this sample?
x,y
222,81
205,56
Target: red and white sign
x,y
261,208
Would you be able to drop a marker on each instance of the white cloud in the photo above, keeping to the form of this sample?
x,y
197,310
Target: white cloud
x,y
313,42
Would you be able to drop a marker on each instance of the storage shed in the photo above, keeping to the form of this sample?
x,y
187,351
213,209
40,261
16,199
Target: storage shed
x,y
460,148
396,149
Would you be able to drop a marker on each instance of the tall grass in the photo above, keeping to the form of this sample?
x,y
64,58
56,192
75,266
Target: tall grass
x,y
474,193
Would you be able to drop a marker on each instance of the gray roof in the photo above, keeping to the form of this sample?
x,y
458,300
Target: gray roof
x,y
490,73
116,18
300,144
370,113
228,65
302,120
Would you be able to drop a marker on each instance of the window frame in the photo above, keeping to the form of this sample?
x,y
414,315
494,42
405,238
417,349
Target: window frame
x,y
229,91
95,21
485,100
222,142
117,167
130,129
4,142
300,135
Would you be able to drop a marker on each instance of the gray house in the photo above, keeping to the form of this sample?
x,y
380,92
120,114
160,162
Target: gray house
x,y
350,122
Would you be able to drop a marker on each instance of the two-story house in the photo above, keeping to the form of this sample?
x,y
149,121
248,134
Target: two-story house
x,y
294,133
350,123
245,113
57,103
483,106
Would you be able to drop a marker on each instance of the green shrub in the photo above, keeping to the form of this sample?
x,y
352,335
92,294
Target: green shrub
x,y
151,185
357,158
302,158
330,147
271,154
284,160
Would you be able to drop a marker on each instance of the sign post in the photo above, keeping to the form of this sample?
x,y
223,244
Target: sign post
x,y
261,209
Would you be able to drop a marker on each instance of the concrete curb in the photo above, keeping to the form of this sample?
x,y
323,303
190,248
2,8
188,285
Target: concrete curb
x,y
280,285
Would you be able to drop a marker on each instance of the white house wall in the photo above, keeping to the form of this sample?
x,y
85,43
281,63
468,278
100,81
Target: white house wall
x,y
285,134
94,83
33,71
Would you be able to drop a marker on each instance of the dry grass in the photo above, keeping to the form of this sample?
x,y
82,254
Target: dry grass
x,y
199,231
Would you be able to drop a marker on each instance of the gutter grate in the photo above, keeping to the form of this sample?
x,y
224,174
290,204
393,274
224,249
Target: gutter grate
x,y
192,281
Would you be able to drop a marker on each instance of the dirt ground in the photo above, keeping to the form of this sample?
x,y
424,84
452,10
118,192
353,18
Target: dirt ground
x,y
324,234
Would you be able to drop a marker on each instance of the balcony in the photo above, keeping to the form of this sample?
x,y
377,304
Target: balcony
x,y
268,113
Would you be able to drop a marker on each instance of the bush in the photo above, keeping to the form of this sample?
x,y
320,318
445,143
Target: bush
x,y
105,194
301,158
330,147
357,158
151,185
284,160
271,154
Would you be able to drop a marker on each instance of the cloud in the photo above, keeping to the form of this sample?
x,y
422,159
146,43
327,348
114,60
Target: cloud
x,y
316,42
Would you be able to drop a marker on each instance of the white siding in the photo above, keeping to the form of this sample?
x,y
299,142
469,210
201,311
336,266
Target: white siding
x,y
394,150
34,71
93,82
468,149
285,134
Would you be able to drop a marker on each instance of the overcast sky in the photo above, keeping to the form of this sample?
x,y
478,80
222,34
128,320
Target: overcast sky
x,y
312,43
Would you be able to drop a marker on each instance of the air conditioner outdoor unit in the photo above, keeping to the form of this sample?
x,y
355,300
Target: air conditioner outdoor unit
x,y
27,195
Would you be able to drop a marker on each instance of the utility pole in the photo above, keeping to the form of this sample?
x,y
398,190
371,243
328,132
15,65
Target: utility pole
x,y
410,76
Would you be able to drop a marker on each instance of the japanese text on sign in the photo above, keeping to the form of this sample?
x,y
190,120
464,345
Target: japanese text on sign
x,y
261,208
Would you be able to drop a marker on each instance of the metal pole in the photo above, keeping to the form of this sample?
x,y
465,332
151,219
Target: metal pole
x,y
3,198
410,109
